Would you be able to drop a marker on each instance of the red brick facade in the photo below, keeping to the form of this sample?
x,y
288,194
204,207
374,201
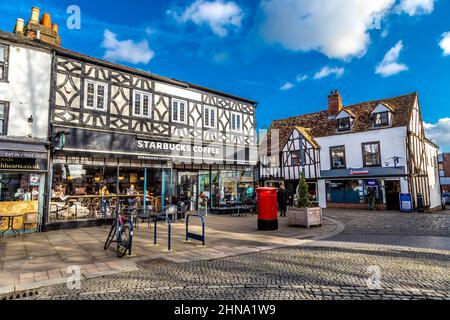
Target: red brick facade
x,y
446,164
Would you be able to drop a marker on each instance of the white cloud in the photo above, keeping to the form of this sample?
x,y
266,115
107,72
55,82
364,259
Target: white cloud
x,y
390,65
126,50
337,28
287,86
439,132
301,77
415,7
445,43
327,71
219,15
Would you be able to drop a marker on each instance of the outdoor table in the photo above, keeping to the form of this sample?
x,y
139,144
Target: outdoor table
x,y
10,226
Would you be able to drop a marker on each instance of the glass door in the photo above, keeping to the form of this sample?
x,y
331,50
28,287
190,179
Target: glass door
x,y
188,189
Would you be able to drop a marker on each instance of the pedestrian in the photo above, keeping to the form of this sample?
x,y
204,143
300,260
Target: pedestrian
x,y
282,199
371,198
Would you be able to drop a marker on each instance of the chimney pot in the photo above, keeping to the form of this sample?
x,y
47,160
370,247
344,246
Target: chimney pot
x,y
334,102
35,12
55,28
19,26
46,21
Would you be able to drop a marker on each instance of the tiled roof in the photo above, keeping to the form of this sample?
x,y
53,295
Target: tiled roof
x,y
322,123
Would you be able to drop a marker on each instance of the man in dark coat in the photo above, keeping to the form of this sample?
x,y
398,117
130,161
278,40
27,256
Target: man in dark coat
x,y
282,198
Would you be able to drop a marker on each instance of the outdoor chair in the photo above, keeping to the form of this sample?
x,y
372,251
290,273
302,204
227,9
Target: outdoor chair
x,y
30,219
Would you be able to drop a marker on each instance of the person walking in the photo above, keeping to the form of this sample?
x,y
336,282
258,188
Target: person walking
x,y
282,199
371,198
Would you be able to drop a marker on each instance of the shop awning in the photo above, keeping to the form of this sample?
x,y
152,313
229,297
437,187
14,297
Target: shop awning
x,y
23,150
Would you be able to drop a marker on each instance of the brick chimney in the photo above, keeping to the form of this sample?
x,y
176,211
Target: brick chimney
x,y
44,30
334,102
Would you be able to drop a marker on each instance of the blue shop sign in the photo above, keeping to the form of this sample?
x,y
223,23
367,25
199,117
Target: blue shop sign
x,y
406,203
372,183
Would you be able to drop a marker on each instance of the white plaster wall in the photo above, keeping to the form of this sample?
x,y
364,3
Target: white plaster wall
x,y
27,91
392,144
178,92
433,175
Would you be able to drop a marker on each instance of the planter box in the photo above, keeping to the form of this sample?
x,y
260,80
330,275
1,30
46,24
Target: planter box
x,y
305,217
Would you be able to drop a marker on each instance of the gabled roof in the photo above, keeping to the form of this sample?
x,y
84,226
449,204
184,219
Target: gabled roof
x,y
322,123
306,133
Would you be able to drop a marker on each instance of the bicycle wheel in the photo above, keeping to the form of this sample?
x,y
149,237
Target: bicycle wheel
x,y
123,243
111,235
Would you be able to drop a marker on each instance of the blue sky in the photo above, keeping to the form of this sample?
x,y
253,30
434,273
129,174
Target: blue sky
x,y
286,54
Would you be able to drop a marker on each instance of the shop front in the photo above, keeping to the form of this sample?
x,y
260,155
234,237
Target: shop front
x,y
96,171
351,188
23,168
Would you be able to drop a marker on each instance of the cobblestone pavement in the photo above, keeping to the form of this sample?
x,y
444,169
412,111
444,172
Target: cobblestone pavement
x,y
319,270
392,222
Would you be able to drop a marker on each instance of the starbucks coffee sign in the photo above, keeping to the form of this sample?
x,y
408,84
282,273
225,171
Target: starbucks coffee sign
x,y
159,146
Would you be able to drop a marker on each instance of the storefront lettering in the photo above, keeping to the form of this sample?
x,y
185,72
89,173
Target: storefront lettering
x,y
355,172
176,147
18,164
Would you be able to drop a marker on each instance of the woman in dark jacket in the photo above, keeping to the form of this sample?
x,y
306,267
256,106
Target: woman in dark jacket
x,y
282,198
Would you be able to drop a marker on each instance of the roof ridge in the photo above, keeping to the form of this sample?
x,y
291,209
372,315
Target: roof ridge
x,y
348,106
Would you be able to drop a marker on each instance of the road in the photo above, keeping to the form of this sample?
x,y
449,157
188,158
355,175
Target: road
x,y
359,263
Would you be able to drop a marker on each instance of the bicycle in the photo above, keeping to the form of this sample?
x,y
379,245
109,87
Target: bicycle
x,y
122,231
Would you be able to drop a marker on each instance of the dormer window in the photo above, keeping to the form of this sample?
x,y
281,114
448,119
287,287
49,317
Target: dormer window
x,y
382,115
344,124
381,119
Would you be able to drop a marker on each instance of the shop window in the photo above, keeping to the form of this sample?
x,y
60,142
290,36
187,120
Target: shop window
x,y
209,117
344,191
337,157
236,122
179,111
4,55
381,119
3,118
344,124
142,104
371,154
95,95
21,194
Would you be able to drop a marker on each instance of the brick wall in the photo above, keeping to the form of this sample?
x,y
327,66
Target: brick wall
x,y
446,164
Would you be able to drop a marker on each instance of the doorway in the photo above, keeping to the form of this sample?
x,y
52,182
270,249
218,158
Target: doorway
x,y
392,194
188,189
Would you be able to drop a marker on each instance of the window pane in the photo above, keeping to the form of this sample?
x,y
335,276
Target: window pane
x,y
2,110
100,97
295,156
238,122
213,117
338,157
90,95
2,124
2,71
207,117
145,109
344,124
371,154
182,113
175,111
137,104
2,54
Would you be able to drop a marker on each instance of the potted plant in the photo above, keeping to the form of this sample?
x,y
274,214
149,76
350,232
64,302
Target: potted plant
x,y
303,214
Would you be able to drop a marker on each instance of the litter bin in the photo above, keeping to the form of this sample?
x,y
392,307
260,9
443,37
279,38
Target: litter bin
x,y
420,207
267,209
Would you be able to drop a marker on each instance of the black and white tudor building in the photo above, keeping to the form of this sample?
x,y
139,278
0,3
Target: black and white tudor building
x,y
114,129
342,151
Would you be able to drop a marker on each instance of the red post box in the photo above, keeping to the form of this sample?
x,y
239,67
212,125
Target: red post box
x,y
267,209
